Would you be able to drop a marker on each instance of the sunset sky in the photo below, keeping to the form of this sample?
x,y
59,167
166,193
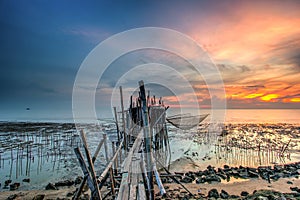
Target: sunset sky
x,y
255,45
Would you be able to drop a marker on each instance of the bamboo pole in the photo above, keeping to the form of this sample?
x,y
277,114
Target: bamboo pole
x,y
147,138
117,124
123,118
78,193
94,188
101,177
96,192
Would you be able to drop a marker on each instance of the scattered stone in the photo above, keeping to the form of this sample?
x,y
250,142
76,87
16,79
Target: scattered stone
x,y
289,182
213,193
70,194
7,182
50,186
224,194
12,197
244,193
212,178
14,186
186,179
84,197
27,180
226,167
78,180
64,183
39,197
253,174
261,198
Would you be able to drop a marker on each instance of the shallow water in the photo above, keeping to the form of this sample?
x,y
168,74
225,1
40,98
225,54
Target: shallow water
x,y
52,158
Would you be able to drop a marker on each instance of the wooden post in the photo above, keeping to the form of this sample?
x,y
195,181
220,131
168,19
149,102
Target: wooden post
x,y
117,124
123,118
147,138
116,160
111,175
105,147
94,188
96,192
78,193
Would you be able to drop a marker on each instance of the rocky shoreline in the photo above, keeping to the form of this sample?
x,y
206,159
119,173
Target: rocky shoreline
x,y
211,174
197,182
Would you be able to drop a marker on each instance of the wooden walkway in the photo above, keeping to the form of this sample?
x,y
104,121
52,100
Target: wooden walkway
x,y
137,131
132,185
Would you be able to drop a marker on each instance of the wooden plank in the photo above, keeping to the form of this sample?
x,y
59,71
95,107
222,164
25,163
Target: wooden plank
x,y
117,124
134,178
134,149
104,173
141,192
123,191
123,118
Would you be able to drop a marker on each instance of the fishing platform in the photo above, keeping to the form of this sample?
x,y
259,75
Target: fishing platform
x,y
141,149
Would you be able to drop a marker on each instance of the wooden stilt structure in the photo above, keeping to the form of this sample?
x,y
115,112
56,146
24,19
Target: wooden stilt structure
x,y
142,125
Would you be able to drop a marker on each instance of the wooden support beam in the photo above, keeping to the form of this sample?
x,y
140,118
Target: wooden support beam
x,y
90,182
123,118
96,192
147,138
106,170
78,193
117,124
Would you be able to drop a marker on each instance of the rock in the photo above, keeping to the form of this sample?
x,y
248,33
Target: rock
x,y
7,182
278,168
226,167
12,197
186,179
244,193
261,198
212,178
64,183
50,186
39,197
200,180
84,197
222,176
78,180
252,174
213,193
234,197
295,189
27,180
70,194
289,182
224,194
235,173
14,186
221,171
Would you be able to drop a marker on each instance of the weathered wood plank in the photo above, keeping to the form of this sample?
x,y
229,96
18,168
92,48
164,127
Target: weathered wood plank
x,y
110,163
141,192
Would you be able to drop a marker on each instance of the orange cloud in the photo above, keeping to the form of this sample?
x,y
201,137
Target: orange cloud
x,y
251,96
295,100
269,97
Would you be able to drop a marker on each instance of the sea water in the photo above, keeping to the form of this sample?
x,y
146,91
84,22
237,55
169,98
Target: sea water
x,y
52,168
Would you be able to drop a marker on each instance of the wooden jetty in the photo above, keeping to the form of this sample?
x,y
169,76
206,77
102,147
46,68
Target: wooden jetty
x,y
142,145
